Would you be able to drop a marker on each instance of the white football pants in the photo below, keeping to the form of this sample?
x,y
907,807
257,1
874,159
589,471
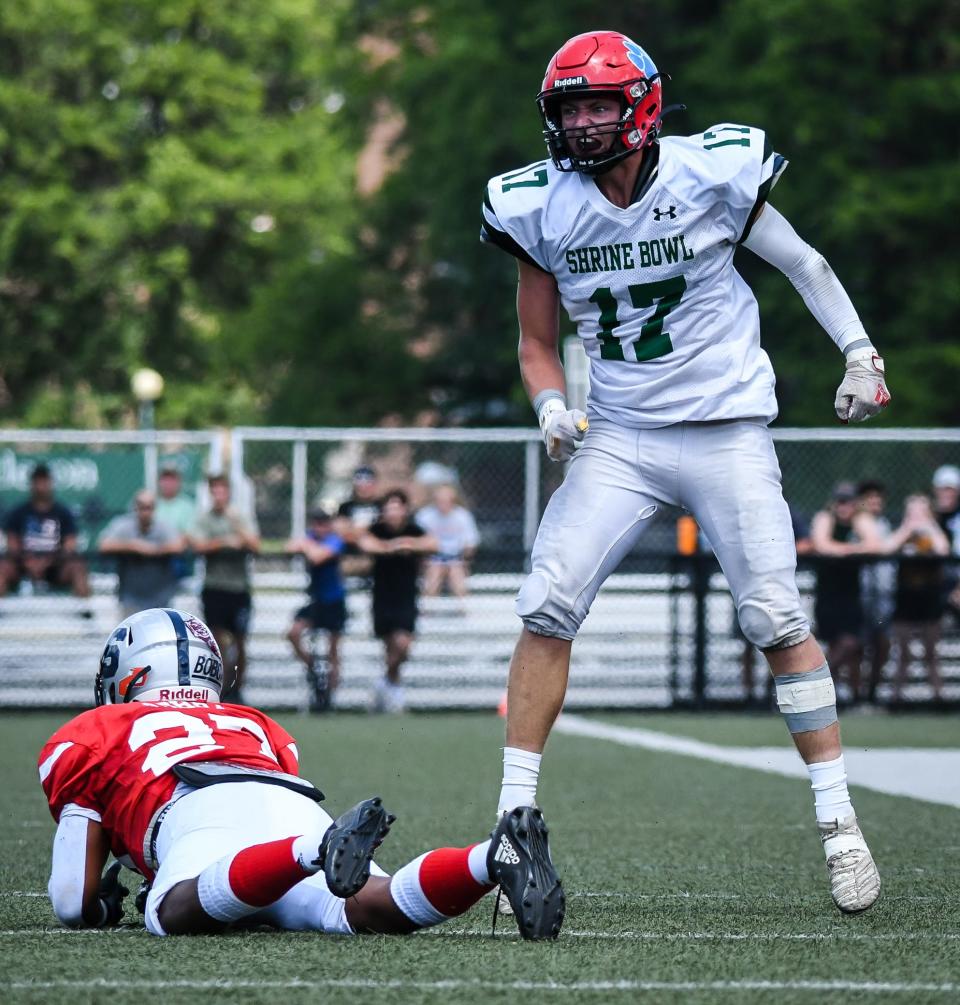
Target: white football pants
x,y
725,473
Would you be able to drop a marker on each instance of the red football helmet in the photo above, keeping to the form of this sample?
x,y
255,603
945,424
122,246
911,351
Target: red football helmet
x,y
601,62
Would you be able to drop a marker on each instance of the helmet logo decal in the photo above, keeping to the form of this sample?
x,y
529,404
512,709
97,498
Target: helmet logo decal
x,y
639,58
135,678
199,631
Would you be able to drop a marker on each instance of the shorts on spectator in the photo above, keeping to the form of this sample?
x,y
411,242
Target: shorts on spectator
x,y
838,618
330,616
389,618
229,609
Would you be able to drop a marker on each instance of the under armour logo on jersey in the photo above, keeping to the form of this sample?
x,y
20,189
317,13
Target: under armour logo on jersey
x,y
506,853
670,211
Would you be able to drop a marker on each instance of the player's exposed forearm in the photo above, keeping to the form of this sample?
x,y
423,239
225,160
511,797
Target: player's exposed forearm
x,y
540,368
538,312
775,241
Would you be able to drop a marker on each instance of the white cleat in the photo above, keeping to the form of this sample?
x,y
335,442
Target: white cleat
x,y
854,879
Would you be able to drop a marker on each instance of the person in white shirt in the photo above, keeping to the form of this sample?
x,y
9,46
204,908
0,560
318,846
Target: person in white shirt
x,y
455,529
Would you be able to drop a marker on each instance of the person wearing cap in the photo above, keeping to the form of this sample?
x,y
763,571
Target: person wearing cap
x,y
839,532
355,515
42,542
322,548
946,509
946,501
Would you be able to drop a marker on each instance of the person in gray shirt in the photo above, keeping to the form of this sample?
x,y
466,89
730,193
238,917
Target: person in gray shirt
x,y
145,550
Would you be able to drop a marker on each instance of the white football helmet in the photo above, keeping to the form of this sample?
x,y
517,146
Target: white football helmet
x,y
159,655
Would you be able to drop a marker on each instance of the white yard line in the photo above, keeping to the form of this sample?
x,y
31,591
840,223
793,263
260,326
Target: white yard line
x,y
929,774
576,987
568,933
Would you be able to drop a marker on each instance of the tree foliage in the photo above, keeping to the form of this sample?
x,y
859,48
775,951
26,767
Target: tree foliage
x,y
179,188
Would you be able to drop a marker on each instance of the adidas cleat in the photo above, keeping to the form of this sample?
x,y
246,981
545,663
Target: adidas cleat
x,y
347,847
519,860
854,879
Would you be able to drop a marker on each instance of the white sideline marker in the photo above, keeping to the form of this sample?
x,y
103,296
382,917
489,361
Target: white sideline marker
x,y
928,774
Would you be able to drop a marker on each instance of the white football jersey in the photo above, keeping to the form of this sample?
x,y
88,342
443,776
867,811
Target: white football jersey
x,y
671,330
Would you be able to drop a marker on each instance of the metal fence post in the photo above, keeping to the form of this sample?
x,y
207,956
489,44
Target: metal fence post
x,y
298,489
531,493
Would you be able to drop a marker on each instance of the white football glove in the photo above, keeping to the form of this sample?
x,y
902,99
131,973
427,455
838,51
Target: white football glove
x,y
863,391
562,428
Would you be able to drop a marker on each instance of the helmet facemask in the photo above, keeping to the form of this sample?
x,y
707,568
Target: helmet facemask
x,y
628,139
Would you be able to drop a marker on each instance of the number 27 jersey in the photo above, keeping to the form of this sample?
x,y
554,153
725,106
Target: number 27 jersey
x,y
671,330
113,763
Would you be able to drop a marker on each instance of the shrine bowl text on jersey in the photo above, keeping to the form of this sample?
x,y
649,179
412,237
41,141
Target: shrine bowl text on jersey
x,y
672,333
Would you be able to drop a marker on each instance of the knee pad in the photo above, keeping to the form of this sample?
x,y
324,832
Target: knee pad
x,y
808,701
540,613
769,628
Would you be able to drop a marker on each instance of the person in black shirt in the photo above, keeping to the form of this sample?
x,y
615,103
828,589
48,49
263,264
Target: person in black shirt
x,y
397,544
42,542
840,532
355,516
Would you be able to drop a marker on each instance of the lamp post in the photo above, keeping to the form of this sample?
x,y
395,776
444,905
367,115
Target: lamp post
x,y
147,386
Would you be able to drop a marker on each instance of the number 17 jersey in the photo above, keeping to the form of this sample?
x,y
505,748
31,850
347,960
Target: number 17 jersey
x,y
671,330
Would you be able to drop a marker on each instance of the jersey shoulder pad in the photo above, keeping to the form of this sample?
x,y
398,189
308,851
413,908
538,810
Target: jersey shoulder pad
x,y
729,166
68,765
516,208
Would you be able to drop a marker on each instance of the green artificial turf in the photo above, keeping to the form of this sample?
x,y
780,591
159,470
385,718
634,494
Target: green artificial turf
x,y
687,881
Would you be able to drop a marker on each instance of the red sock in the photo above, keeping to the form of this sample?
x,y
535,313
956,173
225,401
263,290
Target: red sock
x,y
440,884
263,873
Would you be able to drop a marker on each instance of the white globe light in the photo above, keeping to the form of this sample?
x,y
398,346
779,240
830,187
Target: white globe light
x,y
147,384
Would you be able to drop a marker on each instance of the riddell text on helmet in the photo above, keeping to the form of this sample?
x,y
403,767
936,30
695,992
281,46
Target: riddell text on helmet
x,y
570,82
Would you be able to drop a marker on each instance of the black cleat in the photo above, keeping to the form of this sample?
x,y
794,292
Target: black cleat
x,y
348,846
519,860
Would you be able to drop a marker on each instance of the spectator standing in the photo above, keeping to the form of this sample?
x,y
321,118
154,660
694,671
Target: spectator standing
x,y
946,507
322,548
919,592
838,532
177,510
397,543
42,543
455,529
354,516
145,550
946,502
226,539
877,584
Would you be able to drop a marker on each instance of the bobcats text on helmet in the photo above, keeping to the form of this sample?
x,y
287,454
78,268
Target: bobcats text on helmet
x,y
601,62
159,654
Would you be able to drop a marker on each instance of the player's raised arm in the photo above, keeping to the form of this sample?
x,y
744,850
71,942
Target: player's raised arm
x,y
863,391
538,312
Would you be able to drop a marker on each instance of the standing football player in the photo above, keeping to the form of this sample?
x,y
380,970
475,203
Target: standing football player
x,y
635,237
204,799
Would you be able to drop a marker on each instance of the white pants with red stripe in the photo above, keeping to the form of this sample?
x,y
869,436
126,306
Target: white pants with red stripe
x,y
210,823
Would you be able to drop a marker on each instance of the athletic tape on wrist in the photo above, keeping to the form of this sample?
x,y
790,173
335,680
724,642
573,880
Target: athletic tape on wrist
x,y
808,701
548,394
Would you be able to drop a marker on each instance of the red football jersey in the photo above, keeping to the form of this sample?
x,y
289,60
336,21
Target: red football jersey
x,y
115,760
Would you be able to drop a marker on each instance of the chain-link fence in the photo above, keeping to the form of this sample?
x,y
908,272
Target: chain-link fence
x,y
662,632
